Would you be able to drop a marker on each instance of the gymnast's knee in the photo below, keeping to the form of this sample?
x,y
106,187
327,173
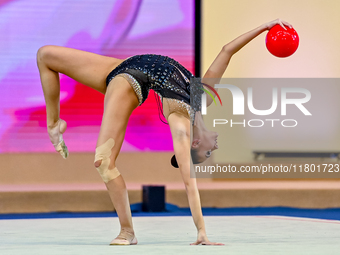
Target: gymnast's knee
x,y
102,161
97,163
44,53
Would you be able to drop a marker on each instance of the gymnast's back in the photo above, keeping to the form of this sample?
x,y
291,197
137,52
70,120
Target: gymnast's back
x,y
169,79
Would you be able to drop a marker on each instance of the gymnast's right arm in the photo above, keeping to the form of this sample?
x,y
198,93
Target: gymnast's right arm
x,y
180,131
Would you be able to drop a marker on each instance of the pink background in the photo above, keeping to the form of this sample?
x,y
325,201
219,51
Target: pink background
x,y
120,28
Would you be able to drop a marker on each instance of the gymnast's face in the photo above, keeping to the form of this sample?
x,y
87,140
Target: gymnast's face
x,y
204,146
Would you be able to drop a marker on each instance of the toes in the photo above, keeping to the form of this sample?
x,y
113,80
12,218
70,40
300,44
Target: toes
x,y
62,149
124,238
56,137
118,241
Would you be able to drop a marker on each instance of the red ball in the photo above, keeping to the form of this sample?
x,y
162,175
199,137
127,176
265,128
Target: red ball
x,y
282,43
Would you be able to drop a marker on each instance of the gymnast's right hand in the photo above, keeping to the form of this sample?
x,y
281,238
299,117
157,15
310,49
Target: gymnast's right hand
x,y
203,240
55,133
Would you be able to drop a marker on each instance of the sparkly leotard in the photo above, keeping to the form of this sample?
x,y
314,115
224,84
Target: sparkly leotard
x,y
169,79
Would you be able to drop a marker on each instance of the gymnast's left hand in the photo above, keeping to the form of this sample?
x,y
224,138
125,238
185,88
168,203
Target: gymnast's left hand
x,y
280,22
203,240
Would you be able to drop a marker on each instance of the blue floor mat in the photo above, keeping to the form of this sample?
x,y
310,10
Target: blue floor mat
x,y
172,210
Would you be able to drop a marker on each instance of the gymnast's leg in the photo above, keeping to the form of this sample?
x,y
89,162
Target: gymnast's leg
x,y
91,70
120,101
87,68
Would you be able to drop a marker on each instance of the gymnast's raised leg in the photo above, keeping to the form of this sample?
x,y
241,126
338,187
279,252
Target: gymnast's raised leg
x,y
85,67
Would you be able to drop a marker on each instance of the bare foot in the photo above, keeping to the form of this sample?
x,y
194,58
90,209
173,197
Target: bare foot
x,y
55,133
125,238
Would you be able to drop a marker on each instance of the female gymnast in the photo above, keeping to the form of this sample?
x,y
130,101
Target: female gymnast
x,y
126,84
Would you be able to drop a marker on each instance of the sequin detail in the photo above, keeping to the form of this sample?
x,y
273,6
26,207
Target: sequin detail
x,y
196,91
171,105
134,84
164,75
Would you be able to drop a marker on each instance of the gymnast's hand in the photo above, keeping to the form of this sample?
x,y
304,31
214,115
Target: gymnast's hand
x,y
203,240
55,133
280,22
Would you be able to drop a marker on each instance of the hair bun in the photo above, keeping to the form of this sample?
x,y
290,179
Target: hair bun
x,y
174,161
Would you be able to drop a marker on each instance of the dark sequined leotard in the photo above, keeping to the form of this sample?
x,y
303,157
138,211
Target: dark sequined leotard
x,y
169,79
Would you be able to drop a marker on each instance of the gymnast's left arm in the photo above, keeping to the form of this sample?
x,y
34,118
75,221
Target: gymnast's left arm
x,y
221,62
180,130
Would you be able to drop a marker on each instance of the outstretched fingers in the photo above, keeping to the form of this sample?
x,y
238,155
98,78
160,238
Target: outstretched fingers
x,y
286,24
282,23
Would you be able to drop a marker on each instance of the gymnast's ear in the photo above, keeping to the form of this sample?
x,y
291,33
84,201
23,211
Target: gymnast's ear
x,y
195,143
174,161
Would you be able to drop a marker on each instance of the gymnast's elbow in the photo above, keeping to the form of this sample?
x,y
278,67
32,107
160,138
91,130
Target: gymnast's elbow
x,y
228,49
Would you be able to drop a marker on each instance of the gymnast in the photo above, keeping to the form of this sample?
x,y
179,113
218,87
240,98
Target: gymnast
x,y
126,84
